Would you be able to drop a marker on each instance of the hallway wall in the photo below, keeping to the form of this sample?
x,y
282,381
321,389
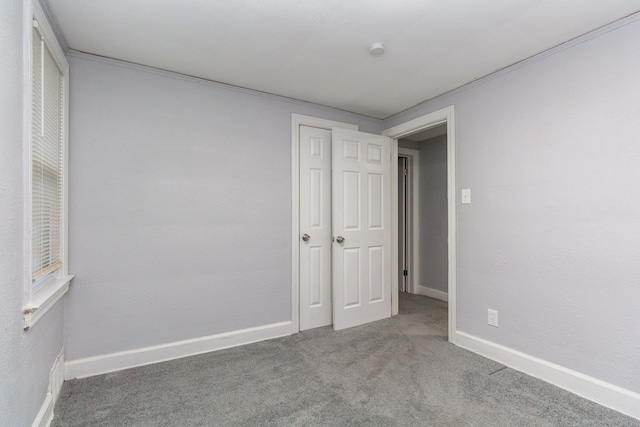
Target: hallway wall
x,y
434,214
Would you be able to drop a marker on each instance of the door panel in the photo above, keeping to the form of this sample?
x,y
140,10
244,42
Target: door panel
x,y
376,273
351,207
315,276
376,201
315,221
352,275
361,205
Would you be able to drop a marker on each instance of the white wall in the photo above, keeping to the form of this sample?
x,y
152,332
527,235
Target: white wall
x,y
180,207
433,212
25,357
551,240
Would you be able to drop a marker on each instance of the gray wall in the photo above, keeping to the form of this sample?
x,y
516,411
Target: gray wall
x,y
25,358
405,143
552,238
180,198
433,214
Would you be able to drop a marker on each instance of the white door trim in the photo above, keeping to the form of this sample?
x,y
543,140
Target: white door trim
x,y
298,120
414,217
445,115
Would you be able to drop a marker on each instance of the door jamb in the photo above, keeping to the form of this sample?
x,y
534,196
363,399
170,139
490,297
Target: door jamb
x,y
414,218
298,120
445,115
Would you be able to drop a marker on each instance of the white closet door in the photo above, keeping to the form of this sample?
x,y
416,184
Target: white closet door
x,y
361,205
315,227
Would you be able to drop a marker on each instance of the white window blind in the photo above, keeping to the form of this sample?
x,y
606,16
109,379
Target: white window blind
x,y
46,159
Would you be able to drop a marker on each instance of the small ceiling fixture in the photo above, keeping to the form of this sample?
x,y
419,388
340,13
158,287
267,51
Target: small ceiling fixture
x,y
376,50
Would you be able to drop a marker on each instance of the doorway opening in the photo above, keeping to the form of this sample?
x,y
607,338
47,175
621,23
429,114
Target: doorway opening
x,y
422,215
445,117
426,242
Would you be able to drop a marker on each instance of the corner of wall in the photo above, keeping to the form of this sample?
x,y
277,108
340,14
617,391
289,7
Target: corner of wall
x,y
601,392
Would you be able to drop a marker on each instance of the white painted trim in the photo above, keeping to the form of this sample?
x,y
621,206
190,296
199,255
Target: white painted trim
x,y
601,392
414,222
64,45
26,148
44,300
394,228
45,415
37,301
102,364
49,36
431,293
445,115
298,120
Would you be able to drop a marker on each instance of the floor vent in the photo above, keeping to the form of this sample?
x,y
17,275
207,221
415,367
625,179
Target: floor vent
x,y
56,376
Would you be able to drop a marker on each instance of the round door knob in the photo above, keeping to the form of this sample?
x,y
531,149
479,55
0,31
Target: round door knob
x,y
339,239
306,237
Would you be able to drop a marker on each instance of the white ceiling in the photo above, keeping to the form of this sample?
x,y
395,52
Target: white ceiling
x,y
317,50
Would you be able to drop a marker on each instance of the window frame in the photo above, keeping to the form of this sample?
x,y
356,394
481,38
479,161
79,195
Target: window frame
x,y
42,294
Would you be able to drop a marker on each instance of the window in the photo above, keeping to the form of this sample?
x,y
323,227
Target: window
x,y
46,159
46,94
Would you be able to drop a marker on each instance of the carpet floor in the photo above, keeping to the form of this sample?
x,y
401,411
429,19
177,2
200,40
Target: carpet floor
x,y
396,372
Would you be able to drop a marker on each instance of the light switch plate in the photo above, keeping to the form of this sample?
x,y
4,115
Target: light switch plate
x,y
492,317
466,196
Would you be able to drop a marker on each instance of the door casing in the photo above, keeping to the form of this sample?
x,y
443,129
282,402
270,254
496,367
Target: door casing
x,y
403,222
445,115
413,223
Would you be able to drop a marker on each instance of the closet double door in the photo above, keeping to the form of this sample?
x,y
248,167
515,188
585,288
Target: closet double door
x,y
345,227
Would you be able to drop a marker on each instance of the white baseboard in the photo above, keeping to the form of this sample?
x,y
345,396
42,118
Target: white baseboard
x,y
606,394
45,415
97,365
432,293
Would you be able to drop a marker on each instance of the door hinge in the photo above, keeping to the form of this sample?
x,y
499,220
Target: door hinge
x,y
405,272
405,172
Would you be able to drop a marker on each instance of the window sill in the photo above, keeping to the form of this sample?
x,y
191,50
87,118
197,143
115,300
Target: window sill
x,y
44,300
